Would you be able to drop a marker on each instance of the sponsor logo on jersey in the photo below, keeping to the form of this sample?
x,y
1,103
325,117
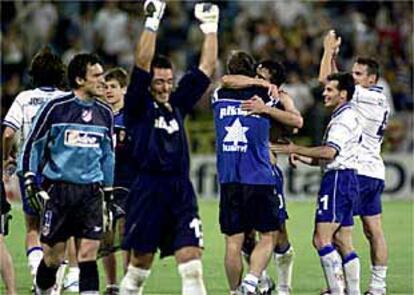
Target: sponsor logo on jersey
x,y
86,115
235,139
170,127
232,111
82,138
37,100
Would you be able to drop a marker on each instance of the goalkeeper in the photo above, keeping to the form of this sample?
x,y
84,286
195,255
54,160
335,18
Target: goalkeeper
x,y
70,145
162,210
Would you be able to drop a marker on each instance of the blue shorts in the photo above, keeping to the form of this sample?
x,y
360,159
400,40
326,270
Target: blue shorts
x,y
26,207
246,207
337,194
162,213
369,200
283,215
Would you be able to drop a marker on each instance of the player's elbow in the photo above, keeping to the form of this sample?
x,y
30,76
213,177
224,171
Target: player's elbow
x,y
208,68
225,81
298,122
8,134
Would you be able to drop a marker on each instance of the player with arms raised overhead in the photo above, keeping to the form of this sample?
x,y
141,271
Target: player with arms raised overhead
x,y
162,211
373,109
70,144
339,187
48,74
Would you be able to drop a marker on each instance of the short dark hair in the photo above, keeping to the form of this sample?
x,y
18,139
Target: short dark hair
x,y
276,69
161,62
241,63
47,69
118,74
78,67
345,82
373,67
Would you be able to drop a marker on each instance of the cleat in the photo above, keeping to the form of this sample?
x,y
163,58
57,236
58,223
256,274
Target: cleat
x,y
266,286
112,290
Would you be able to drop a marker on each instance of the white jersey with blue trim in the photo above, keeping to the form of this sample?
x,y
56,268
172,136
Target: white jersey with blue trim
x,y
372,107
343,133
25,107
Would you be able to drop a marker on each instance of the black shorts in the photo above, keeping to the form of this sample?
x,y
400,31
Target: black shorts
x,y
72,210
4,212
120,198
162,213
246,207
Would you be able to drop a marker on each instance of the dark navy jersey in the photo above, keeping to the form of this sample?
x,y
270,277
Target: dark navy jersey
x,y
124,172
71,141
242,140
159,143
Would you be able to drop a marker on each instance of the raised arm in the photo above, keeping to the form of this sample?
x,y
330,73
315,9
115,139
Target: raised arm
x,y
145,47
331,45
208,15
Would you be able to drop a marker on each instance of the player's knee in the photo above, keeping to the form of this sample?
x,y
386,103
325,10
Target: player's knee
x,y
319,241
187,253
88,251
191,270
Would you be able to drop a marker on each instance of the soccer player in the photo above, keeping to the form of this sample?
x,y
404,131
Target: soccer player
x,y
6,262
242,132
116,81
70,144
162,210
337,157
373,110
274,74
48,73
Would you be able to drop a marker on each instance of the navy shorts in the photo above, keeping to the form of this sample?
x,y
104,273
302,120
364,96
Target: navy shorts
x,y
283,215
26,207
369,200
72,210
162,213
246,207
120,199
337,194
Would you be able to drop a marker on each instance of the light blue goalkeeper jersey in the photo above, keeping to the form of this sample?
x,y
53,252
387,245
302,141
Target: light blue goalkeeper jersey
x,y
71,141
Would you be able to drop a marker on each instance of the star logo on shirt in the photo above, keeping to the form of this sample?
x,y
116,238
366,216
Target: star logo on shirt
x,y
236,133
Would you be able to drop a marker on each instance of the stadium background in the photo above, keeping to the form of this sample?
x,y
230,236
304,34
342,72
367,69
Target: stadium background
x,y
290,31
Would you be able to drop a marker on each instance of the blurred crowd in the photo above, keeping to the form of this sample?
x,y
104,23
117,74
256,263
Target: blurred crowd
x,y
288,31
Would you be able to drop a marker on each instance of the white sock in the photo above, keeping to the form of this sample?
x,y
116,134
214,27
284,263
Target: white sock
x,y
352,268
192,278
378,277
134,280
34,256
89,293
284,266
43,292
332,266
73,271
250,282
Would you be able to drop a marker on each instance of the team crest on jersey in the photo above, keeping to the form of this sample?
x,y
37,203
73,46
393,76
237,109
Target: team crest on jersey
x,y
82,138
170,127
87,115
235,139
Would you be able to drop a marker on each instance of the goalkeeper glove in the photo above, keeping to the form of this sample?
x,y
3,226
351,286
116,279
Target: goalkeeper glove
x,y
108,215
154,10
34,194
208,15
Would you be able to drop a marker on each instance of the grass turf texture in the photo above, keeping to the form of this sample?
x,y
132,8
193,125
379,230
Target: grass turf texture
x,y
307,275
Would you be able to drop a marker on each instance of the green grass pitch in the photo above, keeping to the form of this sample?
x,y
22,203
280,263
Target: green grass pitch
x,y
307,276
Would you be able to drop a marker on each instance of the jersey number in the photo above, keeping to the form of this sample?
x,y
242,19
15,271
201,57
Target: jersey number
x,y
198,231
324,202
383,125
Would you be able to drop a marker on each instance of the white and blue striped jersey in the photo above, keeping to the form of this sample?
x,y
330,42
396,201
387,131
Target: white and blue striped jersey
x,y
343,133
373,109
25,107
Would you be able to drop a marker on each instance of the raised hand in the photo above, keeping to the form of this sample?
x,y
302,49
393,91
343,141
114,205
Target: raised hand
x,y
153,10
208,15
332,42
